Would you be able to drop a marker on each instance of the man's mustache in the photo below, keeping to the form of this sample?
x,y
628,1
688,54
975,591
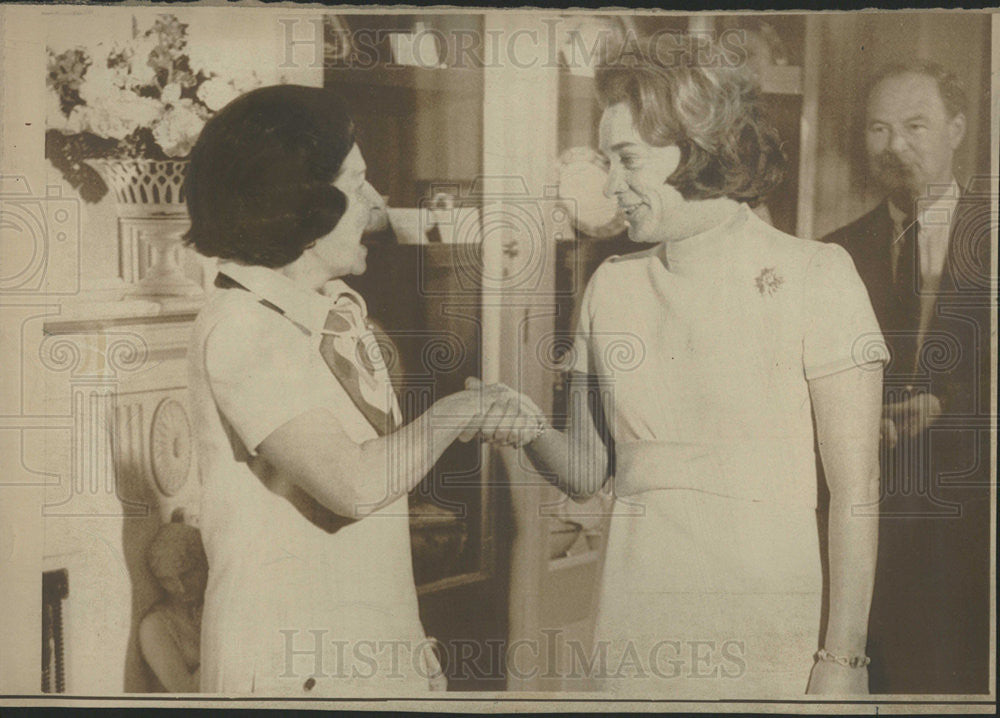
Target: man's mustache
x,y
887,162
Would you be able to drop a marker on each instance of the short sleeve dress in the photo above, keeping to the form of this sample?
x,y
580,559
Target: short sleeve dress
x,y
704,347
298,602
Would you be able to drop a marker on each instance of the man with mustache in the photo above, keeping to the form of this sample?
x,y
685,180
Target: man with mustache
x,y
923,254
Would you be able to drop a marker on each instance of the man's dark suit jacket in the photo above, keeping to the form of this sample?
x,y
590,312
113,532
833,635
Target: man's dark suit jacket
x,y
929,628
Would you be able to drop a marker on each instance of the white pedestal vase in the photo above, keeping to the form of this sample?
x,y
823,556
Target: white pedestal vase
x,y
152,218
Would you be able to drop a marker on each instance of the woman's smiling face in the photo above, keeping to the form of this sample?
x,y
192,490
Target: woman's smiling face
x,y
637,178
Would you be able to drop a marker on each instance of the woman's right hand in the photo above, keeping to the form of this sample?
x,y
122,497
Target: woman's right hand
x,y
494,412
512,418
464,407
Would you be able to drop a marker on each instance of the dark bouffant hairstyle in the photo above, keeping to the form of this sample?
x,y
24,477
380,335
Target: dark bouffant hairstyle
x,y
709,107
258,184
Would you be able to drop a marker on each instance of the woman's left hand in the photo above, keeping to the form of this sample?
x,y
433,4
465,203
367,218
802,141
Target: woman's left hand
x,y
437,681
829,678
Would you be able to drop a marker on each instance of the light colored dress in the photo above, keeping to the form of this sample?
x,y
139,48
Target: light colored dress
x,y
712,584
296,602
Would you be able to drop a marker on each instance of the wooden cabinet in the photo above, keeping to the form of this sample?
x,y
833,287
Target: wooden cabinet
x,y
417,125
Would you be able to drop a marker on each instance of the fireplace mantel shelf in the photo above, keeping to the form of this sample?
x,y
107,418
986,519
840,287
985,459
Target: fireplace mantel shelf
x,y
95,315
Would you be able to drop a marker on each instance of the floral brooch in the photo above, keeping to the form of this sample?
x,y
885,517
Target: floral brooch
x,y
768,281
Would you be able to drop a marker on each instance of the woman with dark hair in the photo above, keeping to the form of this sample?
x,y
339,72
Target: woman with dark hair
x,y
707,357
304,464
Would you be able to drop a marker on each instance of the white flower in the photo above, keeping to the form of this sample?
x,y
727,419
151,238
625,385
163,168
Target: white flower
x,y
115,116
171,94
177,130
106,120
142,74
216,94
113,106
138,111
99,82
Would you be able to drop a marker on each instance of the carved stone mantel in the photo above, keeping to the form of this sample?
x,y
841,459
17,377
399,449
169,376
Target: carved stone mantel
x,y
119,457
115,363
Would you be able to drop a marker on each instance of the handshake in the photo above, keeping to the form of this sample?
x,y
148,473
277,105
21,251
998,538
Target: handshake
x,y
495,413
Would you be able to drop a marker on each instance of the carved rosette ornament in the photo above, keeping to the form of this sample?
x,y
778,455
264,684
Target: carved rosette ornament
x,y
170,446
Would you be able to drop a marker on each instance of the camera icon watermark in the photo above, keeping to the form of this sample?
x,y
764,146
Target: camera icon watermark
x,y
499,235
40,235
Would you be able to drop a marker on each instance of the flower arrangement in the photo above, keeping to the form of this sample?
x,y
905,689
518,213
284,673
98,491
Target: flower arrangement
x,y
145,98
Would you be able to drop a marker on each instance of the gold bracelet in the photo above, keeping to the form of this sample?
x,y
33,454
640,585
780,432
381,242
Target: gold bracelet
x,y
845,661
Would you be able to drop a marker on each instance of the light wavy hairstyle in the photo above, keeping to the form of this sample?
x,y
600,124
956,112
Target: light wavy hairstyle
x,y
708,105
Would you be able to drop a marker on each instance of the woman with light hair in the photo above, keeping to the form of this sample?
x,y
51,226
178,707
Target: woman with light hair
x,y
708,357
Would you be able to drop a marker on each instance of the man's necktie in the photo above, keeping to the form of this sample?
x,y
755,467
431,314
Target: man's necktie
x,y
906,290
353,362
